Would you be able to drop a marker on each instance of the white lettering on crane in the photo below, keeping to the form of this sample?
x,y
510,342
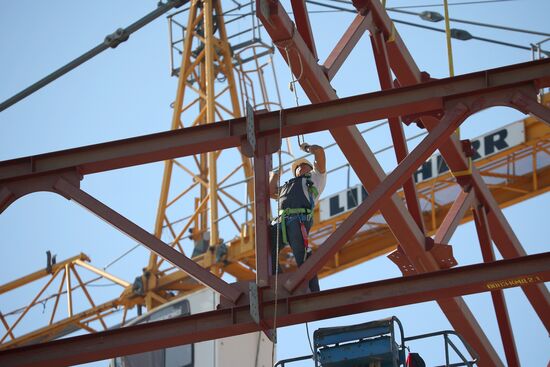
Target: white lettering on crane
x,y
486,145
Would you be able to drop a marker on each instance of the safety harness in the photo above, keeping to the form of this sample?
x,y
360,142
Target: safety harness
x,y
300,212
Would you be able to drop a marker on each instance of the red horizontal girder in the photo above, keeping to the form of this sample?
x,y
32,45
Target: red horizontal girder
x,y
419,99
291,310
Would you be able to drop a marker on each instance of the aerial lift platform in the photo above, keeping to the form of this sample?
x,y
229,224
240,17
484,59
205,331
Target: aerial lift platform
x,y
375,344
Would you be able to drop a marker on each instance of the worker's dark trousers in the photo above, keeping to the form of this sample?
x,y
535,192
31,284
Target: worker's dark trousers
x,y
294,237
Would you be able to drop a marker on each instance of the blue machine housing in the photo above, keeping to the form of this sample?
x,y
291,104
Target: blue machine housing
x,y
360,345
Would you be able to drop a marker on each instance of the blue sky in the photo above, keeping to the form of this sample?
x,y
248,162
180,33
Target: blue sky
x,y
127,92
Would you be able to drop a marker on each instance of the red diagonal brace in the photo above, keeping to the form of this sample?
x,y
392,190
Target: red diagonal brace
x,y
455,214
402,62
303,62
346,44
142,236
509,246
499,302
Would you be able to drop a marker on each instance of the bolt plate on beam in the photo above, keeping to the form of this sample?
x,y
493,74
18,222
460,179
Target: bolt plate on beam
x,y
401,260
250,130
256,314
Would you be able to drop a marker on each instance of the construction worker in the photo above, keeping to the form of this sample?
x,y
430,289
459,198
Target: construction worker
x,y
297,199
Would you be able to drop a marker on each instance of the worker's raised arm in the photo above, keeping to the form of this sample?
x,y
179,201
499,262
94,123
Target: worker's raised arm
x,y
319,154
273,180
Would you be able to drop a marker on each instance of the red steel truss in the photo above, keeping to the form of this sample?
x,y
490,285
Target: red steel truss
x,y
415,251
441,106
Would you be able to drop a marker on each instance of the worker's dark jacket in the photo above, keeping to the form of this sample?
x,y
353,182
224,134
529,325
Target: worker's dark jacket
x,y
292,194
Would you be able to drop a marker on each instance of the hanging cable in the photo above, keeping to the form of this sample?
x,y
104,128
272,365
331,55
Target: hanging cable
x,y
292,83
467,35
309,341
121,256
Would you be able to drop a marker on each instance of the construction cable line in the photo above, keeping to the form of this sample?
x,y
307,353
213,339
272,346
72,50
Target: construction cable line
x,y
436,17
465,36
455,33
111,41
459,3
427,16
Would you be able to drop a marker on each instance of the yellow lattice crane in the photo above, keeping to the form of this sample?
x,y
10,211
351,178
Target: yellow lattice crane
x,y
201,67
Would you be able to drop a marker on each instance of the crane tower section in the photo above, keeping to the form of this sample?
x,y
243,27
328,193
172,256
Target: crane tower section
x,y
203,192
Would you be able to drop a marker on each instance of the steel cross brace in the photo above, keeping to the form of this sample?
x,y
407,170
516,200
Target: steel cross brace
x,y
462,203
67,184
301,16
346,44
291,310
408,73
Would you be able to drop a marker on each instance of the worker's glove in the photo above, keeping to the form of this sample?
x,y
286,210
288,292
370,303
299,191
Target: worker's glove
x,y
305,147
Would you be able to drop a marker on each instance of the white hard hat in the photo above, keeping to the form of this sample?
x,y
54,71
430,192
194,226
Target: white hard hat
x,y
298,162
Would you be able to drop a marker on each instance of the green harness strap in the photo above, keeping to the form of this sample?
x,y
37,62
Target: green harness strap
x,y
313,193
290,211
